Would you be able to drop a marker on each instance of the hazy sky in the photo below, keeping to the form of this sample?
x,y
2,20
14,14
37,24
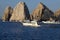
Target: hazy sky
x,y
32,4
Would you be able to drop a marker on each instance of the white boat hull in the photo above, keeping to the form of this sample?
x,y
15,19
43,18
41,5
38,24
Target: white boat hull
x,y
30,24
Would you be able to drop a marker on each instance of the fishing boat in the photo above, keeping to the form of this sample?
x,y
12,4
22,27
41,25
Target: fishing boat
x,y
32,23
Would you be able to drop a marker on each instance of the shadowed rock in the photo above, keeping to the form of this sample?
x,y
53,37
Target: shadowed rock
x,y
20,12
7,13
41,13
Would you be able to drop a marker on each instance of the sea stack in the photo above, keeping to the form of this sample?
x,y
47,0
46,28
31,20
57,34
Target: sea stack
x,y
57,15
7,13
41,13
20,13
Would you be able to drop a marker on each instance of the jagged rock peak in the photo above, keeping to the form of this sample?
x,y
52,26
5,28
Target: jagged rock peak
x,y
36,14
21,3
41,13
7,13
20,12
40,5
58,11
57,15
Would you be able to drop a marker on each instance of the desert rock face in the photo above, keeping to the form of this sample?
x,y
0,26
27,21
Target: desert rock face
x,y
20,12
41,13
57,15
7,13
36,14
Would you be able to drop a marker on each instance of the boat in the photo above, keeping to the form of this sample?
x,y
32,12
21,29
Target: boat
x,y
50,22
38,24
32,23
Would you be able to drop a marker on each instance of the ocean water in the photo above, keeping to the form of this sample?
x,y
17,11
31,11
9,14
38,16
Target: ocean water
x,y
16,31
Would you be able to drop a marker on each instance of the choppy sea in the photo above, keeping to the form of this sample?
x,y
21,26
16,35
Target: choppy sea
x,y
16,31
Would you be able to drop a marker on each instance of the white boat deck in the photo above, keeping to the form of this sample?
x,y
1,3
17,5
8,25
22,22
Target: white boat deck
x,y
32,23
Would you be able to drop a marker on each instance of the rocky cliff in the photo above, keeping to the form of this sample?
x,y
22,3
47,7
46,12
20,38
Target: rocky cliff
x,y
20,12
7,13
41,13
57,15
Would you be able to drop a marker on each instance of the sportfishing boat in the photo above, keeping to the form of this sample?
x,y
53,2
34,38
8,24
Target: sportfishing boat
x,y
32,23
50,22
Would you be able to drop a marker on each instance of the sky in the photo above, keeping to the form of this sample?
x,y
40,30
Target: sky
x,y
32,4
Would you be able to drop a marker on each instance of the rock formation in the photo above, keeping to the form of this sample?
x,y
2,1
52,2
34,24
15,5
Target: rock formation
x,y
57,15
7,13
20,12
41,13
